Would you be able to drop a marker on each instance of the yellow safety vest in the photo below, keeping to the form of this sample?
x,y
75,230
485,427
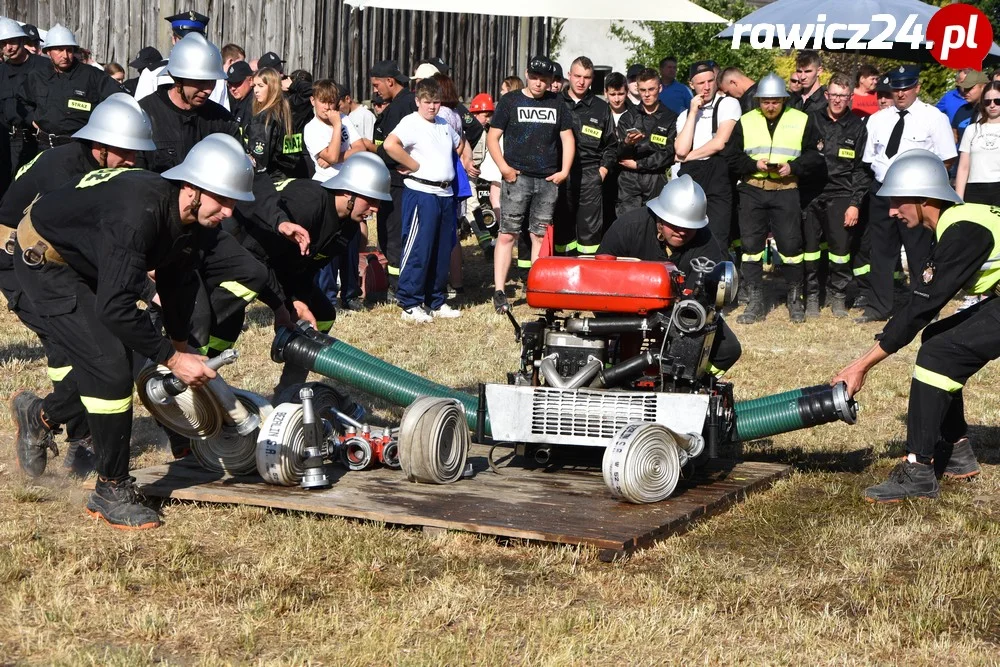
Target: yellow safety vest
x,y
988,275
784,146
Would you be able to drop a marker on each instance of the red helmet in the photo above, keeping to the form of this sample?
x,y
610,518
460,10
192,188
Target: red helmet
x,y
481,102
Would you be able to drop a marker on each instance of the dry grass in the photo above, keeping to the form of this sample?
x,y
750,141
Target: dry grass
x,y
805,573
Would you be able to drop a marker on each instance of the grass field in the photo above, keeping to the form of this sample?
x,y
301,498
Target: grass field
x,y
806,573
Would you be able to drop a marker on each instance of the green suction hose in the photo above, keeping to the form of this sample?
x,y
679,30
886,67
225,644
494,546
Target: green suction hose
x,y
781,413
339,361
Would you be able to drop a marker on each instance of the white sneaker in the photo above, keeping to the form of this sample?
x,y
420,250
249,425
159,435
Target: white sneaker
x,y
416,314
446,312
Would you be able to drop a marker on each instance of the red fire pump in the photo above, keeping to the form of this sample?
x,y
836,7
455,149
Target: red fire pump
x,y
631,340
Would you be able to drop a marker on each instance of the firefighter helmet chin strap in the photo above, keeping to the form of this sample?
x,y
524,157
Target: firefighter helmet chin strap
x,y
196,202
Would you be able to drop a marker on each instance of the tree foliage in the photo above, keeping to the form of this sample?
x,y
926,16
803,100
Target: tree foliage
x,y
691,42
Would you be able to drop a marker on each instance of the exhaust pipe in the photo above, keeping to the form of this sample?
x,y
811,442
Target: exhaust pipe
x,y
543,455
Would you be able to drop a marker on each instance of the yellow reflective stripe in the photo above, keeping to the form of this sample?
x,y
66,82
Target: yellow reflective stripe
x,y
238,290
20,172
862,270
792,259
392,270
756,257
937,380
984,279
715,370
58,374
524,263
216,344
587,249
566,248
812,256
104,406
839,259
738,243
324,325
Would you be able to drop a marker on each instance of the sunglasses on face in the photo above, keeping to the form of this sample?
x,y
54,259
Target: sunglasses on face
x,y
991,101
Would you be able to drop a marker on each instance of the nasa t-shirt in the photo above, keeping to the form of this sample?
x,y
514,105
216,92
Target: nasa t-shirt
x,y
531,130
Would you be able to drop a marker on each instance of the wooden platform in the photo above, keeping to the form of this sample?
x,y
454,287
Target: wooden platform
x,y
565,505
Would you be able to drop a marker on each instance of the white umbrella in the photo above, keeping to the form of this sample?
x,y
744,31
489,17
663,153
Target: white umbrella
x,y
681,11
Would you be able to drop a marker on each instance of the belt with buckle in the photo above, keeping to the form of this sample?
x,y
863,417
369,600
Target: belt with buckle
x,y
787,183
37,250
22,132
437,184
10,234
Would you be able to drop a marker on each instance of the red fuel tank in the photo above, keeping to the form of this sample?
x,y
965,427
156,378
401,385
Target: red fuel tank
x,y
603,284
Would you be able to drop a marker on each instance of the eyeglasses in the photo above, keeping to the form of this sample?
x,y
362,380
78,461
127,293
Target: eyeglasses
x,y
837,97
991,101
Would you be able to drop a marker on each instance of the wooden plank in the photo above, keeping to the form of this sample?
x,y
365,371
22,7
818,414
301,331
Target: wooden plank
x,y
568,506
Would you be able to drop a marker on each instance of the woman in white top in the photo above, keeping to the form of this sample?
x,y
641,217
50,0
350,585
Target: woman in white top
x,y
977,180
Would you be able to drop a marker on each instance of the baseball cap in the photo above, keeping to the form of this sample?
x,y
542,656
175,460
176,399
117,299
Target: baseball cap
x,y
542,66
973,78
425,71
701,66
147,58
32,33
388,69
634,71
238,72
270,59
438,64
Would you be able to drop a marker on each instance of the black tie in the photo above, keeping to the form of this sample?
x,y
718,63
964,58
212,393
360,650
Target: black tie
x,y
897,133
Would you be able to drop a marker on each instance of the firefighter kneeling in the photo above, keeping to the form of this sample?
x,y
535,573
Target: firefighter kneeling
x,y
83,253
966,256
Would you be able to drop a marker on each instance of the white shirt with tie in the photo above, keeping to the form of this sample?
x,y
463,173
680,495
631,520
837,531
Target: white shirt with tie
x,y
923,127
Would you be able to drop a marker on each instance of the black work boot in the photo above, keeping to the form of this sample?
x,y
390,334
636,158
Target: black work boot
x,y
797,309
120,505
79,460
838,306
812,306
956,461
34,437
500,303
756,309
907,480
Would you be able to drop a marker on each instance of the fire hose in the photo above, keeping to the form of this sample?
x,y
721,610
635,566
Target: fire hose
x,y
643,463
297,440
221,422
335,359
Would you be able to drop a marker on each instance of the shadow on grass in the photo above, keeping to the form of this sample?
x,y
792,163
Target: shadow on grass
x,y
21,352
853,462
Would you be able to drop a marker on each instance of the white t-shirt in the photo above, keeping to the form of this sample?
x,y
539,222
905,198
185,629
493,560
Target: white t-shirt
x,y
728,108
982,142
923,127
432,145
150,80
316,135
364,121
488,170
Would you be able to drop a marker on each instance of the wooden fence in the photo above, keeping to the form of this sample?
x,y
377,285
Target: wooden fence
x,y
326,37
